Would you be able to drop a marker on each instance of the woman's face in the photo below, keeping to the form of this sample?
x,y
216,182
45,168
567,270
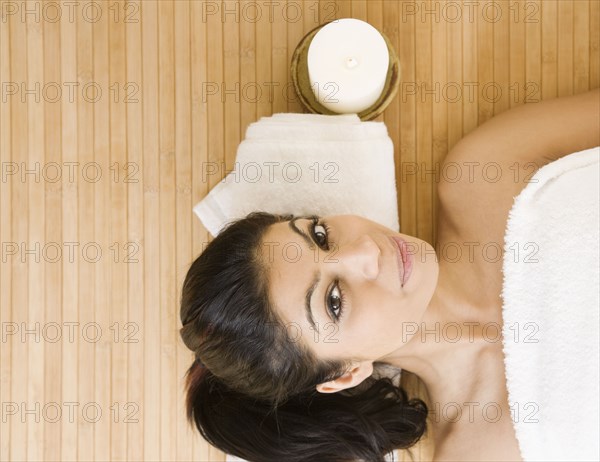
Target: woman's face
x,y
362,263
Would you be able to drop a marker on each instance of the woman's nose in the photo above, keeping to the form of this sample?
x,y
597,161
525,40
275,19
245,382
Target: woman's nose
x,y
360,257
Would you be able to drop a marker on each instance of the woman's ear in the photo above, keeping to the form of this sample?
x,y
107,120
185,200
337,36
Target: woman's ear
x,y
350,379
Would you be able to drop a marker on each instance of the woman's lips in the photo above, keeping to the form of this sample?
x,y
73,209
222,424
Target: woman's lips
x,y
404,258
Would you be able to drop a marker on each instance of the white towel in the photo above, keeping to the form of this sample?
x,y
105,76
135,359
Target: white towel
x,y
306,164
552,364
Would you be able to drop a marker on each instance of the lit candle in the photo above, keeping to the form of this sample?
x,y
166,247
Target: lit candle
x,y
347,65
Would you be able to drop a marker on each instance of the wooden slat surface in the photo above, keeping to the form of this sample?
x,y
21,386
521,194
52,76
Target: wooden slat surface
x,y
127,102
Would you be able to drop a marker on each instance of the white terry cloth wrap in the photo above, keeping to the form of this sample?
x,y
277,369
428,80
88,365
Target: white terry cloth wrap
x,y
304,164
552,283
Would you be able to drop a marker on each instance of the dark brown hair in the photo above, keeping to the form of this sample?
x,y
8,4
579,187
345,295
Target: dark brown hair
x,y
251,391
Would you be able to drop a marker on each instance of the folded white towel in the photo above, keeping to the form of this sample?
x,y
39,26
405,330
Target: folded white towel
x,y
307,164
552,363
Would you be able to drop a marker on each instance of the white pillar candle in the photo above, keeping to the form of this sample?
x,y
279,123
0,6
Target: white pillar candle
x,y
347,65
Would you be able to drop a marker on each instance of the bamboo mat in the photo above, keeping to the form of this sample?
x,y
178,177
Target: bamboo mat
x,y
109,112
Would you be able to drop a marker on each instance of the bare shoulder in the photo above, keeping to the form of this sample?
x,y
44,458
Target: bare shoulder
x,y
480,441
490,166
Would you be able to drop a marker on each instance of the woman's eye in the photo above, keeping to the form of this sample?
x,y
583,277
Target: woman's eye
x,y
336,302
322,241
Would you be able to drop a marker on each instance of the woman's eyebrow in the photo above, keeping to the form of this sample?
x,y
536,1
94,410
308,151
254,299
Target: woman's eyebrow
x,y
306,237
316,277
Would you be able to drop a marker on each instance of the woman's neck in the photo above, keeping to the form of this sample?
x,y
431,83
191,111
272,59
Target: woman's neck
x,y
448,342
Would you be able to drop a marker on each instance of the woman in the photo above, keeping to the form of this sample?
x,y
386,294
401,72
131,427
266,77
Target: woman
x,y
297,321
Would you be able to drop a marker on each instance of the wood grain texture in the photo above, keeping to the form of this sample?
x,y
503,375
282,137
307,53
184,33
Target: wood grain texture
x,y
109,118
